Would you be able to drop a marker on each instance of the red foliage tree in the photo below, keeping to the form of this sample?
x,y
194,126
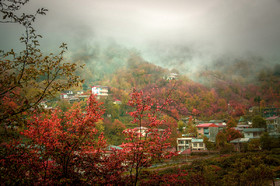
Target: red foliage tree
x,y
62,148
232,134
61,145
144,147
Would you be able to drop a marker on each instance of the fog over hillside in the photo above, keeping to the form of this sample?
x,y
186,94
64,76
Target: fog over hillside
x,y
188,35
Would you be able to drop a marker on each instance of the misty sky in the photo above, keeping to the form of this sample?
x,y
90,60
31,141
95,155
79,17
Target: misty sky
x,y
194,30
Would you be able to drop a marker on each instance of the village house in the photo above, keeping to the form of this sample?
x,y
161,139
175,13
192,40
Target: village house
x,y
270,112
253,132
171,76
273,124
72,96
239,143
197,144
240,128
100,91
209,130
184,143
67,94
190,144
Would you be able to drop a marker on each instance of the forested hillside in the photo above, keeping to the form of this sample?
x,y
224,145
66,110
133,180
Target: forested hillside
x,y
229,90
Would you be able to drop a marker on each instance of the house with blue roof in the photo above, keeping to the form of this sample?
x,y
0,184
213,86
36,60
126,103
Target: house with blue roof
x,y
198,144
253,132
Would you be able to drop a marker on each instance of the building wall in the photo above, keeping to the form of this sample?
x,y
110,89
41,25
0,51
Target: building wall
x,y
183,143
198,146
252,135
248,135
213,133
200,131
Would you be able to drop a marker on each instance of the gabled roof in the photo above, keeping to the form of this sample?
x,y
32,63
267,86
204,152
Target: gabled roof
x,y
204,125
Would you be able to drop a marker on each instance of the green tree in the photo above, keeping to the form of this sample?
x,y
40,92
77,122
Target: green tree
x,y
63,104
254,145
222,144
258,100
266,141
258,122
191,128
115,132
248,171
181,126
209,145
221,139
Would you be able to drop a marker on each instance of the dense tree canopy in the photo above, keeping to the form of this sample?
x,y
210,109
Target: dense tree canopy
x,y
258,122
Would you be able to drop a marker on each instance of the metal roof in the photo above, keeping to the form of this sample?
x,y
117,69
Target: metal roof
x,y
197,140
254,130
240,140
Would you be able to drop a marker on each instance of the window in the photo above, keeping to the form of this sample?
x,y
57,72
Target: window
x,y
181,142
200,144
195,144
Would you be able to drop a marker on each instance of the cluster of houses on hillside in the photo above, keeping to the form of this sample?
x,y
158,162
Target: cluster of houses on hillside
x,y
99,91
211,129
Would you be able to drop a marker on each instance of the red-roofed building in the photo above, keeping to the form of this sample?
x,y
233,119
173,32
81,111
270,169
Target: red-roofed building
x,y
209,130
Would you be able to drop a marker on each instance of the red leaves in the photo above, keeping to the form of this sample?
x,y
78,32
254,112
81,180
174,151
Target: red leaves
x,y
65,138
64,148
195,112
233,134
145,145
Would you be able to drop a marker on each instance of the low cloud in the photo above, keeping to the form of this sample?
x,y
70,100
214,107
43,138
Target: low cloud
x,y
182,33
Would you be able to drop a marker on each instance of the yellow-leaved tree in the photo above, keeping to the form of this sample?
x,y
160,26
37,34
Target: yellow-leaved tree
x,y
28,77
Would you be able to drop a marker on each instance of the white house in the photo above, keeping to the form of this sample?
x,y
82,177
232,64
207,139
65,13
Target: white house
x,y
183,143
197,144
172,76
100,91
